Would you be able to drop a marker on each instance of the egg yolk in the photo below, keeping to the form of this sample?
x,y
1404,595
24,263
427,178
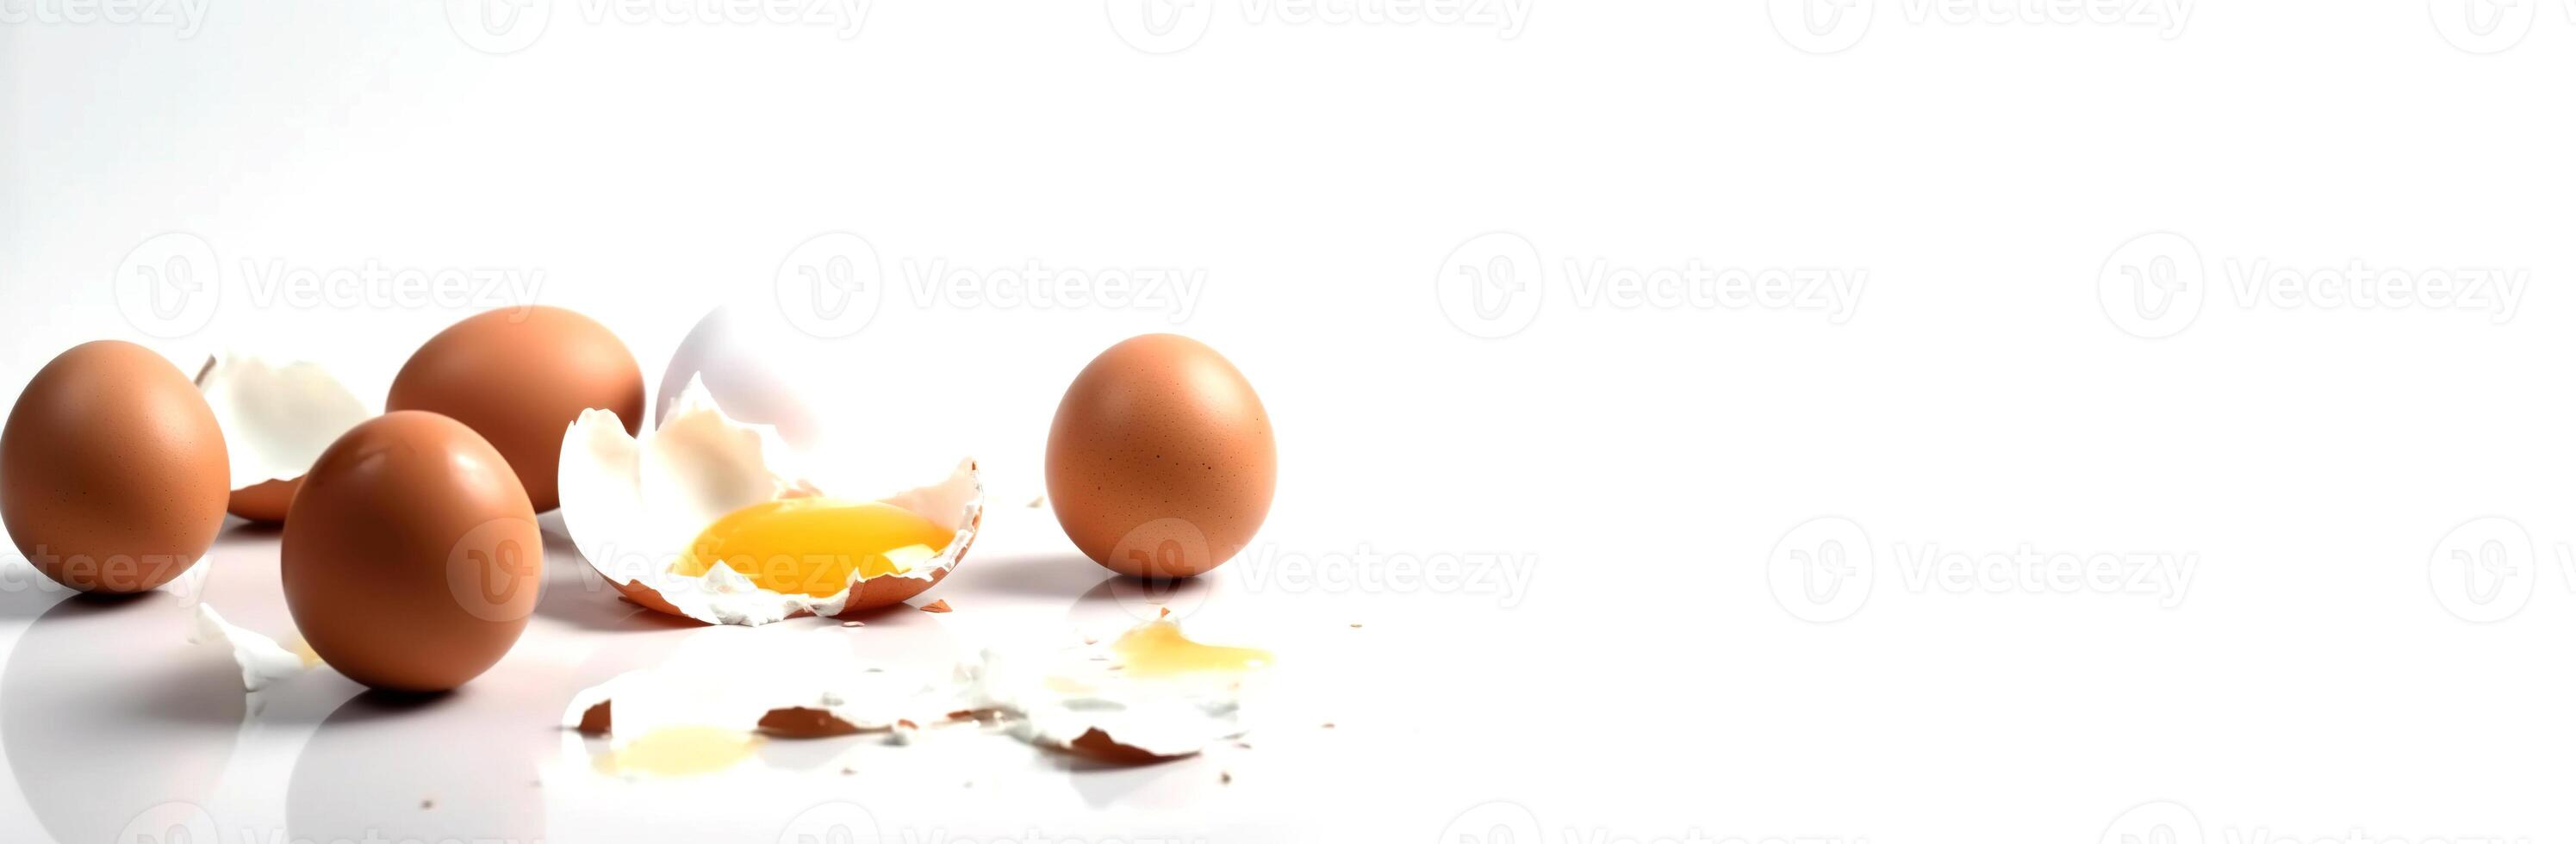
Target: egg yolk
x,y
811,546
1159,650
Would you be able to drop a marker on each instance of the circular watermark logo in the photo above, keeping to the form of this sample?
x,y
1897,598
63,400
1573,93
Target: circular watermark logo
x,y
168,286
831,285
1160,27
1823,569
1821,27
2161,822
2153,285
1498,822
170,823
2484,571
837,822
499,27
1491,285
495,570
2483,27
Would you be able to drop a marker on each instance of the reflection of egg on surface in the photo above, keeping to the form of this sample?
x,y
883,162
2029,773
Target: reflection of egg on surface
x,y
411,558
276,419
102,720
113,475
517,376
717,520
1161,462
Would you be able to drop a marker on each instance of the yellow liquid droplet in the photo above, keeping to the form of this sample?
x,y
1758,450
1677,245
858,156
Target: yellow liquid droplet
x,y
1159,650
679,752
811,546
304,651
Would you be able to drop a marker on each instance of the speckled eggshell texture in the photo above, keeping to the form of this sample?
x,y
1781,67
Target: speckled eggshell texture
x,y
411,557
113,474
1161,462
520,376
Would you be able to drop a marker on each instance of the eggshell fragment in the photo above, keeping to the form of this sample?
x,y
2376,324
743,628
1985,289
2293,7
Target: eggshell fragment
x,y
113,472
263,661
276,418
804,685
809,685
633,506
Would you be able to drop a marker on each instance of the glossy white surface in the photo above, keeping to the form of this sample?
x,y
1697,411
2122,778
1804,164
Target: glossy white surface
x,y
2349,519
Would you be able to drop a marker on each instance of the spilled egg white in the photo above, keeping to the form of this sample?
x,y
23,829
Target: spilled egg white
x,y
276,417
1078,699
1081,699
634,504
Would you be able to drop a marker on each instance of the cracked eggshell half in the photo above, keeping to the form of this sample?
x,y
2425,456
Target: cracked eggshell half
x,y
636,505
276,418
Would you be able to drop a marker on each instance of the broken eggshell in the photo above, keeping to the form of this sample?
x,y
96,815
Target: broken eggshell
x,y
276,418
262,660
1078,700
804,685
634,504
1081,700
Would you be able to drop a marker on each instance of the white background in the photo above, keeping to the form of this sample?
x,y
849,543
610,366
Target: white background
x,y
2357,647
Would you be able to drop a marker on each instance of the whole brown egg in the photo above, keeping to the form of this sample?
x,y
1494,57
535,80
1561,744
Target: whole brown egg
x,y
1161,462
411,558
519,377
113,474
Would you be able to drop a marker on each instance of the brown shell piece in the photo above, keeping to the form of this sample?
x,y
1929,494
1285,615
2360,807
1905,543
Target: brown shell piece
x,y
518,377
264,502
798,722
113,474
411,558
1098,745
594,721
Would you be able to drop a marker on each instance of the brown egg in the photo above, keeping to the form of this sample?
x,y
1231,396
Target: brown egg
x,y
264,502
113,475
1161,462
519,377
411,558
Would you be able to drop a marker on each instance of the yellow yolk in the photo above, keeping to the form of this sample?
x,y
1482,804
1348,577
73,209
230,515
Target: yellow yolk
x,y
1159,650
811,546
679,751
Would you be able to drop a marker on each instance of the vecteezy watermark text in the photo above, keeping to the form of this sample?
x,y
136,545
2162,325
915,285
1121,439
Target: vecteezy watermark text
x,y
1831,26
1495,284
2487,27
833,284
183,17
1508,822
2168,822
501,27
2487,569
1504,576
2156,285
1162,27
172,285
1825,569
